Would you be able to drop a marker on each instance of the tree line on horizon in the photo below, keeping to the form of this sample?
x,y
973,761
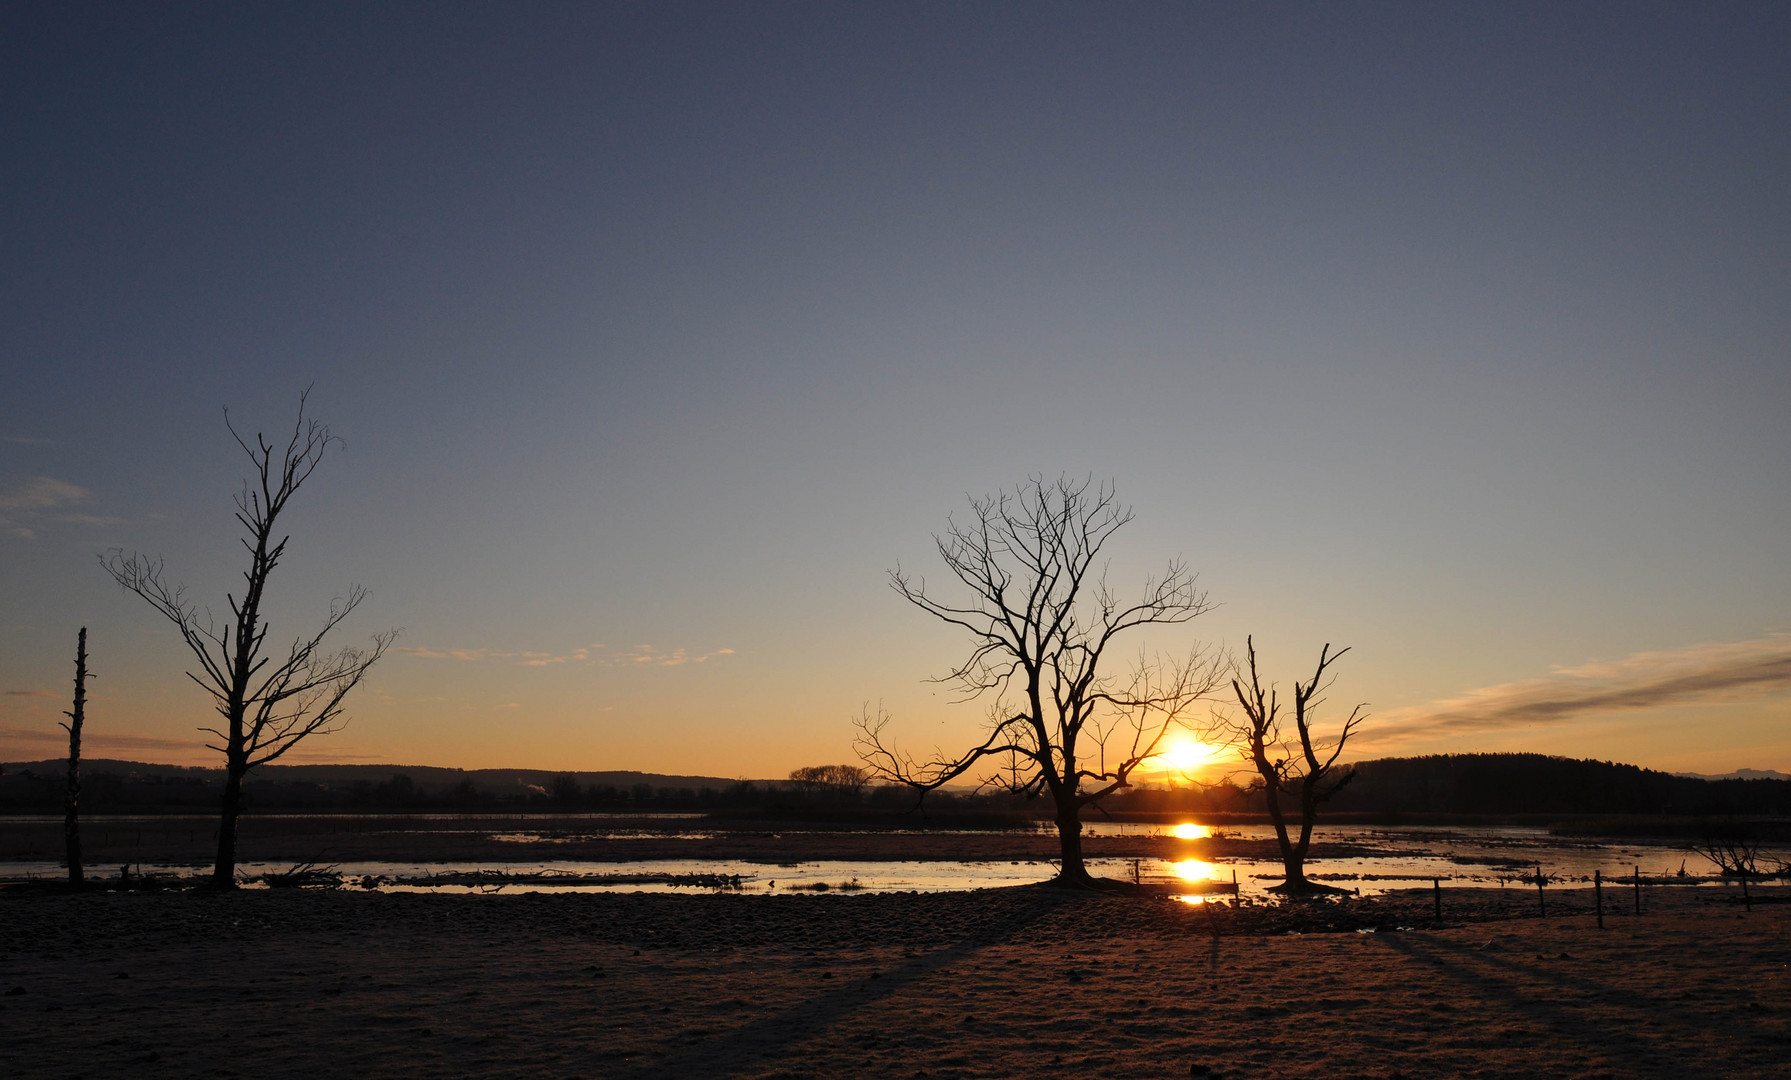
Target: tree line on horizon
x,y
1509,785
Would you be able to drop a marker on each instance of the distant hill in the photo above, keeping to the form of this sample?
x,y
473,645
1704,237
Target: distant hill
x,y
1739,774
110,784
1499,786
498,781
1494,785
1540,784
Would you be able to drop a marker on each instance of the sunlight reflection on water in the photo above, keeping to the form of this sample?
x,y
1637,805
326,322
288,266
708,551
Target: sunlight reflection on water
x,y
1196,870
1202,879
581,838
1375,859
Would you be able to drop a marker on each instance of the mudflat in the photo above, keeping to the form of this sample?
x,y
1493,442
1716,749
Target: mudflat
x,y
1012,982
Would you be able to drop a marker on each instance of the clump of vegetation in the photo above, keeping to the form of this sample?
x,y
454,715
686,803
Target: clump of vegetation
x,y
137,882
304,876
830,783
1735,852
821,886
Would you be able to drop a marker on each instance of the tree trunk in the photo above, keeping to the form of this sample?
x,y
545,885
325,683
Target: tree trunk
x,y
71,820
1308,815
1293,858
223,875
1069,837
1293,869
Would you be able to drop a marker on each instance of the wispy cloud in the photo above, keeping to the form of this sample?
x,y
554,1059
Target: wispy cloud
x,y
1696,673
538,659
647,655
33,693
91,740
527,659
26,505
455,654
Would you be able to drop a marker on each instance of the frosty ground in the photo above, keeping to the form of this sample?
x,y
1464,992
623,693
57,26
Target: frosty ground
x,y
1009,982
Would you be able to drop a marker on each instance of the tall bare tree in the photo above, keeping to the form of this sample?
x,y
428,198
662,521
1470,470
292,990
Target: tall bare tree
x,y
1042,623
269,702
1300,766
71,804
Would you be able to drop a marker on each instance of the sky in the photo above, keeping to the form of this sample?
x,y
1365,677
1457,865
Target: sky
x,y
658,334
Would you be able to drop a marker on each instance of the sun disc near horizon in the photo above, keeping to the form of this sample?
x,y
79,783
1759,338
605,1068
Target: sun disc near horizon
x,y
1189,754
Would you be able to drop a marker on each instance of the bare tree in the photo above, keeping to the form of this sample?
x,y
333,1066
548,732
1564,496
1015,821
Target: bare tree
x,y
1043,622
1302,766
269,702
71,814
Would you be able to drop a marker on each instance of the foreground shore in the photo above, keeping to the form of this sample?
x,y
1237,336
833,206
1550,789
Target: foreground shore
x,y
999,983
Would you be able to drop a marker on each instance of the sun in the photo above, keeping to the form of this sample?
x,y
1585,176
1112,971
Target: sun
x,y
1188,754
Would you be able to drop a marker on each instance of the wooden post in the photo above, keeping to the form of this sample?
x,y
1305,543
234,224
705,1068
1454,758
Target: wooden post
x,y
1234,887
71,817
1436,885
1541,901
1598,895
1745,898
1638,890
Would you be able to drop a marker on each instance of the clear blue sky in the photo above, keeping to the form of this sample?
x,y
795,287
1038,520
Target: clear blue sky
x,y
1459,334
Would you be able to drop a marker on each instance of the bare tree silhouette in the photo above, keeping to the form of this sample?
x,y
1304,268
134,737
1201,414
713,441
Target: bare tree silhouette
x,y
1302,766
269,703
71,812
1043,621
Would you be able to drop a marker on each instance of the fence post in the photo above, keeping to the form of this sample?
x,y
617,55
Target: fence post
x,y
1745,898
1437,885
1638,890
1598,895
1541,901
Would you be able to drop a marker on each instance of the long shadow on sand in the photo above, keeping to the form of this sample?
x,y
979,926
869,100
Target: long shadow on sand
x,y
1497,978
730,1052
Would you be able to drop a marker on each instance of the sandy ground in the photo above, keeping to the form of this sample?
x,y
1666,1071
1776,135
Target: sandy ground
x,y
1002,983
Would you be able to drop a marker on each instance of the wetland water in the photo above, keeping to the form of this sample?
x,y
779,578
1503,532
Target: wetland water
x,y
682,853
